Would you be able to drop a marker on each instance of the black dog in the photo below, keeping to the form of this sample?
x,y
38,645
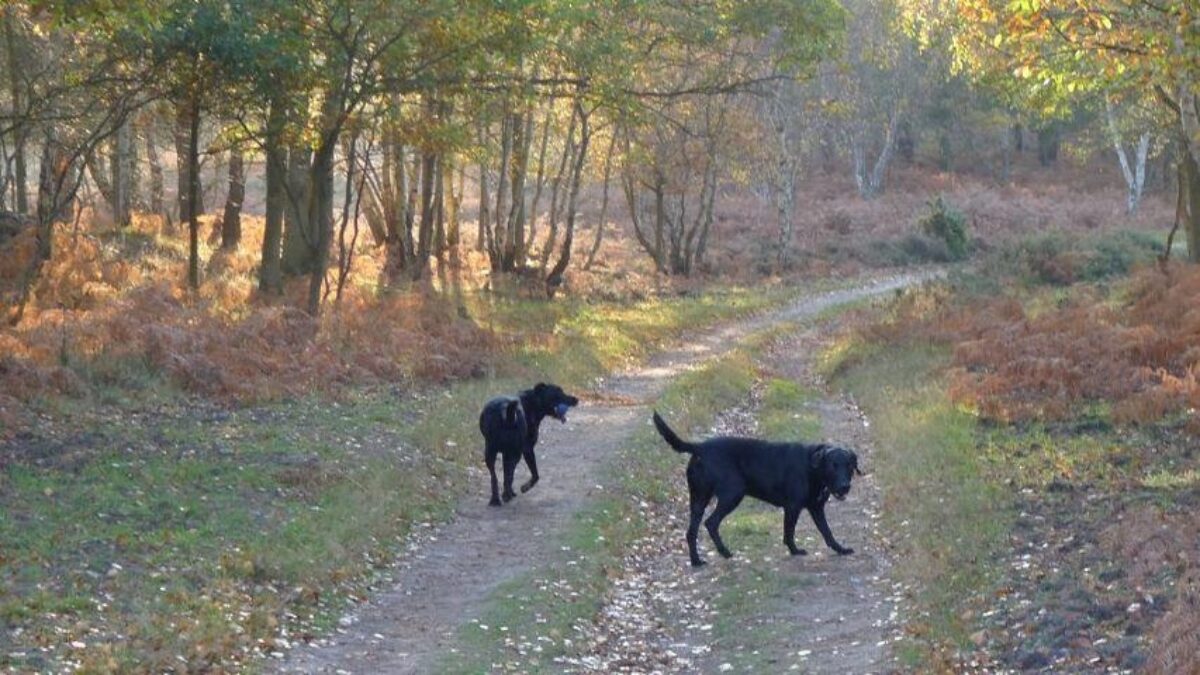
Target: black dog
x,y
794,476
510,428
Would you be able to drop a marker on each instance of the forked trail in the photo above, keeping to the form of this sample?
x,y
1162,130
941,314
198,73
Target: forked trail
x,y
447,579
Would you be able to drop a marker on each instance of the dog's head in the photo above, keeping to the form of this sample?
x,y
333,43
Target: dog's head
x,y
550,399
836,466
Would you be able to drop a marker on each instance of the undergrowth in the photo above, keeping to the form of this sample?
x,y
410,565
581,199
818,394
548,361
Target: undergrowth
x,y
1036,434
948,516
213,525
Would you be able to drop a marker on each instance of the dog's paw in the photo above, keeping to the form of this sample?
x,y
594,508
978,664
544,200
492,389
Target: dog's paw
x,y
699,562
507,496
799,551
528,486
494,502
844,551
725,553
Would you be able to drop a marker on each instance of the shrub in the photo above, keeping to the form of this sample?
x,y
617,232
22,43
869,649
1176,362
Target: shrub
x,y
1062,259
1131,348
947,224
1117,254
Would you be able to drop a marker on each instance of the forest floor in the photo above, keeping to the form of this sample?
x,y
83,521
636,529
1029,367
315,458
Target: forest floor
x,y
451,579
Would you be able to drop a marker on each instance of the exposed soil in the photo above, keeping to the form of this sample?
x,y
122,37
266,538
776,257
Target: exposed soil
x,y
447,576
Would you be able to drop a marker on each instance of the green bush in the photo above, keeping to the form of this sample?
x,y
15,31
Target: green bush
x,y
1117,254
947,224
911,249
1064,258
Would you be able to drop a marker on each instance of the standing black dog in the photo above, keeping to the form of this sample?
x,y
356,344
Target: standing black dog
x,y
510,429
794,476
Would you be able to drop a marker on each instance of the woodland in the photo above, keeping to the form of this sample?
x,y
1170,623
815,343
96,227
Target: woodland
x,y
242,238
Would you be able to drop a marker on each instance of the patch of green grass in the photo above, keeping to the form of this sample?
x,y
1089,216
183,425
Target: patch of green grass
x,y
787,413
937,491
1164,479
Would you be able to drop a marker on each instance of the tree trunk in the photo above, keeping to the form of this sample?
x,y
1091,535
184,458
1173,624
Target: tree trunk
x,y
557,199
660,216
156,169
1048,144
16,92
539,181
123,167
231,221
483,234
425,229
57,182
633,201
555,278
453,204
399,251
514,243
55,188
591,259
346,249
270,273
182,164
1135,175
193,192
299,231
499,236
879,172
872,183
99,171
1188,205
320,198
439,205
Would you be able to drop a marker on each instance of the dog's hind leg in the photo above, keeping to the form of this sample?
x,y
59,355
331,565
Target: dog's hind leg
x,y
510,467
693,531
790,516
489,457
531,462
699,494
818,516
726,503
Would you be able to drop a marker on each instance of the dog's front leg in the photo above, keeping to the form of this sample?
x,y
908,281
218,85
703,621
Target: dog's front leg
x,y
531,462
790,516
818,516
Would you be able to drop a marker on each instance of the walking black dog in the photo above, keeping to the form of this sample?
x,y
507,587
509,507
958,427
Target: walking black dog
x,y
510,429
794,476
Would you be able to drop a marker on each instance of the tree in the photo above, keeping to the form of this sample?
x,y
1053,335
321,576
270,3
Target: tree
x,y
1113,46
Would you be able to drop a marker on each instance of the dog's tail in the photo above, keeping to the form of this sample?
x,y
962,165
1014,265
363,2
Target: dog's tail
x,y
670,437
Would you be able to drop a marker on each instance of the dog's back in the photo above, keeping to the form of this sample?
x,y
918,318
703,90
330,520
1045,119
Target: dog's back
x,y
772,472
502,422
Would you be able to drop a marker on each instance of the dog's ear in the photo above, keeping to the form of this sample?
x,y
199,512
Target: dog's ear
x,y
539,388
854,463
817,456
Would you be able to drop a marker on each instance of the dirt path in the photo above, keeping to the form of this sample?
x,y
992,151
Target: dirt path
x,y
849,615
446,578
841,612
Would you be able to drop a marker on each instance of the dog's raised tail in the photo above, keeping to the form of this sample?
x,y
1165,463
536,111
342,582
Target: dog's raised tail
x,y
670,437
